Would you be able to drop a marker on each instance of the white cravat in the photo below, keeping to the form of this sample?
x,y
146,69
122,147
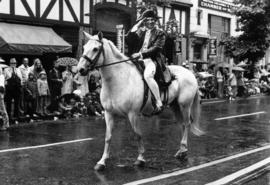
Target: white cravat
x,y
146,40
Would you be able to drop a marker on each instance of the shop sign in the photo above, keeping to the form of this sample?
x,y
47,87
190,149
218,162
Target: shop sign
x,y
213,47
214,5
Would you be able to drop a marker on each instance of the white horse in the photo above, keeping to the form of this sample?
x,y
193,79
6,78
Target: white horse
x,y
123,90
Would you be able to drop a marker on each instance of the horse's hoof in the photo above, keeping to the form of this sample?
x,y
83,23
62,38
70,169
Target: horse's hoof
x,y
139,163
99,167
181,155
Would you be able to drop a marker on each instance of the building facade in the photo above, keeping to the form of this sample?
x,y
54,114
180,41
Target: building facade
x,y
65,18
211,21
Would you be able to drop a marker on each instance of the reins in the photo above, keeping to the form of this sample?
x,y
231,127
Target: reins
x,y
94,61
121,61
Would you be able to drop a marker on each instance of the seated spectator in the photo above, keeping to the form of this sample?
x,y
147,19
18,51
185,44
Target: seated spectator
x,y
64,108
71,105
93,85
265,87
93,106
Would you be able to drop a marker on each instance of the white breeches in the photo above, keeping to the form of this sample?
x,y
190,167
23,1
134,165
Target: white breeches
x,y
149,73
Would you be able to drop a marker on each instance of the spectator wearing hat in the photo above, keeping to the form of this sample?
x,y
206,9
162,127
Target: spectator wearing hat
x,y
145,42
13,86
3,112
43,93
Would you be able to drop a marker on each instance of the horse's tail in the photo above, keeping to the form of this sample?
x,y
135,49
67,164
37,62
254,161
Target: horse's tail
x,y
195,115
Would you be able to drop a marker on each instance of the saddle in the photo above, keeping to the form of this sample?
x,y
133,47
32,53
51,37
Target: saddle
x,y
163,78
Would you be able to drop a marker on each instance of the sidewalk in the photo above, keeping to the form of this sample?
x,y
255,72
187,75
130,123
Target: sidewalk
x,y
25,122
237,98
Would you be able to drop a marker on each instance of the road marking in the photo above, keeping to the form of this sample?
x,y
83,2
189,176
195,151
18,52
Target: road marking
x,y
240,173
43,146
240,115
194,168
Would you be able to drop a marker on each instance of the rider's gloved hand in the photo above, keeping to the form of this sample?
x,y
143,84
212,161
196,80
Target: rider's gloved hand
x,y
138,25
136,56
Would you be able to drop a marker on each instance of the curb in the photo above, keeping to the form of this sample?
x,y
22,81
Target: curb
x,y
244,175
237,98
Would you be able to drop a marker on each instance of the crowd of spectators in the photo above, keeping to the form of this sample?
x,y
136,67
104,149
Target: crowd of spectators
x,y
31,92
220,83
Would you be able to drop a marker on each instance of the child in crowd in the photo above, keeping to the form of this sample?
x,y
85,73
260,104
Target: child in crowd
x,y
44,93
31,94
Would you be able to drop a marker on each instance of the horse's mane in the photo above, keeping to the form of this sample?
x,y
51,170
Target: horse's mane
x,y
115,51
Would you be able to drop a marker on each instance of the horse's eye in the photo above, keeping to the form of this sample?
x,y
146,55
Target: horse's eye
x,y
95,49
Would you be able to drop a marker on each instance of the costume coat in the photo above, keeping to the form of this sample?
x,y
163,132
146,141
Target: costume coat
x,y
155,46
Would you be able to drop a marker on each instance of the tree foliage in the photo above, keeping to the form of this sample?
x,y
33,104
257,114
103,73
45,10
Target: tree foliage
x,y
254,19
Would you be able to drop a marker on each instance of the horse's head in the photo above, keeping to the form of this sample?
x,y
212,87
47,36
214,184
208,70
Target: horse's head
x,y
92,53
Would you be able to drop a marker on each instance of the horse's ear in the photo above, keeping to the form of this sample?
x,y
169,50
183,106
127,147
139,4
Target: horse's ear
x,y
100,35
87,35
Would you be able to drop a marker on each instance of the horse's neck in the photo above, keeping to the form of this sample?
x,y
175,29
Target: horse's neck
x,y
116,75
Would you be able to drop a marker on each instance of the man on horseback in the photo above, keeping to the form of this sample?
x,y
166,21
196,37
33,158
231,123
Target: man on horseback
x,y
145,42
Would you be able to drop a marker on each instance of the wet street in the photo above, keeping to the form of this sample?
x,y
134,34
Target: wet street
x,y
64,152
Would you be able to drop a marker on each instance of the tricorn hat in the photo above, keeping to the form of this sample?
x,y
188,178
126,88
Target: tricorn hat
x,y
148,13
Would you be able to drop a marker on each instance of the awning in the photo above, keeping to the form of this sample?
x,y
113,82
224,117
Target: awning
x,y
25,39
199,34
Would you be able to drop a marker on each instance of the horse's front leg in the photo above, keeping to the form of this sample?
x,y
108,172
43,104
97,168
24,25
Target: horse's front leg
x,y
133,118
109,119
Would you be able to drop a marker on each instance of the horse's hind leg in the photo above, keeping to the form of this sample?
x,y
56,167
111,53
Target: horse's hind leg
x,y
183,115
133,118
109,118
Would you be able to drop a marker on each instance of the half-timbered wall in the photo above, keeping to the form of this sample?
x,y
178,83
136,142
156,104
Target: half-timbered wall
x,y
56,11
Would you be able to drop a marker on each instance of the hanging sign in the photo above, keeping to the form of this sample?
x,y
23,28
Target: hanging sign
x,y
213,47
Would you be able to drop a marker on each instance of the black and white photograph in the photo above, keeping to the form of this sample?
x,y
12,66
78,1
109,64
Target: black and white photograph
x,y
134,92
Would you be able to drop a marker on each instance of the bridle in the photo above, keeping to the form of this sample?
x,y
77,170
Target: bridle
x,y
95,60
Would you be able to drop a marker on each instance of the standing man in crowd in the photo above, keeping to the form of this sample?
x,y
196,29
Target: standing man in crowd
x,y
13,83
24,70
55,83
3,111
145,42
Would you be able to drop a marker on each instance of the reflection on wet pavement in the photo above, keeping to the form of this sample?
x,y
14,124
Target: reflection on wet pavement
x,y
73,163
